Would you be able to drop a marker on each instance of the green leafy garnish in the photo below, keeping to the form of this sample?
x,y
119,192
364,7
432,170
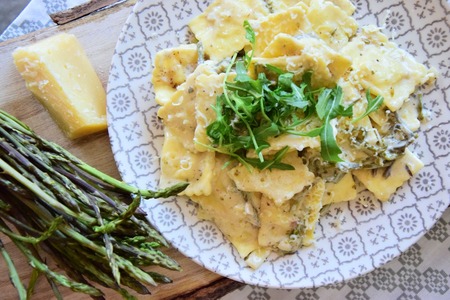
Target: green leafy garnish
x,y
329,107
252,110
251,37
373,104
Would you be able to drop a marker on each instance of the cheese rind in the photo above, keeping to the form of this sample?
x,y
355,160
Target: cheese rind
x,y
59,74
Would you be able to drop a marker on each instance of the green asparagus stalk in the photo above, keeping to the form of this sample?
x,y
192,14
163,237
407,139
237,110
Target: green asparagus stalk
x,y
42,194
14,123
32,240
61,279
13,275
88,221
108,244
32,283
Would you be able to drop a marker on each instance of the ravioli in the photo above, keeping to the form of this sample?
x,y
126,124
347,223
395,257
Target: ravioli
x,y
291,22
304,53
178,114
207,88
291,225
226,203
383,182
294,142
345,5
172,66
380,66
219,28
331,23
178,164
268,181
340,191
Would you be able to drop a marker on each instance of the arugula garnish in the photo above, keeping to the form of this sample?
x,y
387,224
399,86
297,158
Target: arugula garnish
x,y
329,107
373,104
251,37
250,111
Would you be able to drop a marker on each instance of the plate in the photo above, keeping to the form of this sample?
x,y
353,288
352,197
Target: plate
x,y
352,238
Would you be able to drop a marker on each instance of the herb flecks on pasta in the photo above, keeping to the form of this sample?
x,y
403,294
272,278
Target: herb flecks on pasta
x,y
287,108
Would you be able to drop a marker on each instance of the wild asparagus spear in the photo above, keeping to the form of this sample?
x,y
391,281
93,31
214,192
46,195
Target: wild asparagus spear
x,y
13,275
57,202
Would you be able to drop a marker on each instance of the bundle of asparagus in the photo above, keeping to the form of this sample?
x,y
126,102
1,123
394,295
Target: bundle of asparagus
x,y
90,223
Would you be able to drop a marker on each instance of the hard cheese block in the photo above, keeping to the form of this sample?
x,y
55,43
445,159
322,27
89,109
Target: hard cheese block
x,y
57,71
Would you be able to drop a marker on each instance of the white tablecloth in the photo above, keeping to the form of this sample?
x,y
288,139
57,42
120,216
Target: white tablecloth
x,y
422,272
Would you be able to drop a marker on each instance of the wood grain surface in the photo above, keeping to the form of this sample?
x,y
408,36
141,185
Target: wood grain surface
x,y
98,34
86,8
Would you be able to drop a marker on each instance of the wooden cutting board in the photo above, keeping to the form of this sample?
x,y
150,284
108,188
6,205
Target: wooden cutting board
x,y
98,33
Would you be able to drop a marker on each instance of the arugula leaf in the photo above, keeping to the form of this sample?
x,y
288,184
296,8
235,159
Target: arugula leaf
x,y
373,104
267,130
299,96
274,69
323,104
329,149
251,37
312,133
329,107
241,73
275,163
249,33
329,104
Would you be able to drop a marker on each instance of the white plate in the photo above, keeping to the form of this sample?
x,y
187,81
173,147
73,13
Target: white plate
x,y
352,238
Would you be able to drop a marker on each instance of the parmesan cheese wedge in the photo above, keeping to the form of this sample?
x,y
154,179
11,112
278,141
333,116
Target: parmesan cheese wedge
x,y
58,73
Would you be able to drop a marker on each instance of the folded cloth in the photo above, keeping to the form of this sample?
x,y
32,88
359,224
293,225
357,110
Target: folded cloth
x,y
35,16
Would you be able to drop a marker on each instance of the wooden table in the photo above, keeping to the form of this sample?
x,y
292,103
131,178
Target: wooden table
x,y
98,34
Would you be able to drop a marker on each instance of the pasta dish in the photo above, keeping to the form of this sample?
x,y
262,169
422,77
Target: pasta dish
x,y
280,108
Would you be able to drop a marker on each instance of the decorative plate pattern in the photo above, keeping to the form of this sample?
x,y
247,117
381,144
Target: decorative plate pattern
x,y
352,238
